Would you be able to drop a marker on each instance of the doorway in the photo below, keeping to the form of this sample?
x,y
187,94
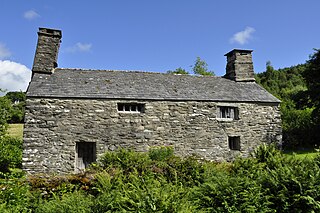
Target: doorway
x,y
85,155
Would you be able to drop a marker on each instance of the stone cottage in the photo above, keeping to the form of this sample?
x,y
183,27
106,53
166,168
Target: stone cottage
x,y
74,115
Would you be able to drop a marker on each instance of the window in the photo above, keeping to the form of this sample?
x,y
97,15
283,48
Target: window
x,y
228,112
85,155
130,107
234,142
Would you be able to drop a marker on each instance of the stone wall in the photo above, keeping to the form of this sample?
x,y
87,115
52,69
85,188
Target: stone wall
x,y
53,126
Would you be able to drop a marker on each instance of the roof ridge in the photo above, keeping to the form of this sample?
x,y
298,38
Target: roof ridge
x,y
136,71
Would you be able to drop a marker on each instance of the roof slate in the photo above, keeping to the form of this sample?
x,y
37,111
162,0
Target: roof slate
x,y
108,84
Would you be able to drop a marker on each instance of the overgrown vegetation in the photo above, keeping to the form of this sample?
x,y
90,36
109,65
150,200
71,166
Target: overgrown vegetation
x,y
10,154
159,181
298,88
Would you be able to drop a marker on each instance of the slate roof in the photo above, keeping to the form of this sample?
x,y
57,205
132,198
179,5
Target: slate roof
x,y
107,84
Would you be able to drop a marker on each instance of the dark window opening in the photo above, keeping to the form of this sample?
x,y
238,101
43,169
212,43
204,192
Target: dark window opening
x,y
234,142
85,155
130,107
228,112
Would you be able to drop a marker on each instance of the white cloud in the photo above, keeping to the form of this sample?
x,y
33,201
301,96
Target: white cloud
x,y
80,47
14,76
30,15
4,52
243,37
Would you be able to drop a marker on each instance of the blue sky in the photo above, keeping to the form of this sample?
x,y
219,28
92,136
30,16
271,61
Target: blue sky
x,y
156,35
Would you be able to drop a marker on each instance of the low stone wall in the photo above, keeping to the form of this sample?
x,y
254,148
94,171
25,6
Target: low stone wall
x,y
54,126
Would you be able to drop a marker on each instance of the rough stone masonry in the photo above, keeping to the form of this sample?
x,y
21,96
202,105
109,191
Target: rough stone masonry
x,y
74,115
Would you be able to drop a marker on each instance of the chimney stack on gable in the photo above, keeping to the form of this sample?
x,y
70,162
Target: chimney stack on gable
x,y
239,65
46,56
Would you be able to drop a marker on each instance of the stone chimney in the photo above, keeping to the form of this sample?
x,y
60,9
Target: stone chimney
x,y
239,65
47,50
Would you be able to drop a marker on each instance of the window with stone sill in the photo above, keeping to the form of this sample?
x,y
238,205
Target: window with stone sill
x,y
131,107
228,113
234,142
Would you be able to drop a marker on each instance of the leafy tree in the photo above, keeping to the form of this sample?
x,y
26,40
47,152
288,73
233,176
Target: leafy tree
x,y
178,71
288,85
201,68
18,101
5,114
16,96
312,77
10,154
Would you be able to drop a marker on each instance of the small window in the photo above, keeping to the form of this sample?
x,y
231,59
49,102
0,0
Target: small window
x,y
228,112
130,107
234,142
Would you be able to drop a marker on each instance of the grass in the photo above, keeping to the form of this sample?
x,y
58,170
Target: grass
x,y
301,154
16,130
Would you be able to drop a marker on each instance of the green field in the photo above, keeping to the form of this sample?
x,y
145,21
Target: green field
x,y
16,130
302,154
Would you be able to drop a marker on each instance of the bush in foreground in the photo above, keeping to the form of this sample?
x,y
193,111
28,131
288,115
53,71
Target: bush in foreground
x,y
159,181
10,154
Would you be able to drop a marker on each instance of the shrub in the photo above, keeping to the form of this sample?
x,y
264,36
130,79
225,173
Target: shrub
x,y
127,160
161,182
161,153
268,154
15,196
50,185
5,113
77,202
227,193
188,171
136,193
10,154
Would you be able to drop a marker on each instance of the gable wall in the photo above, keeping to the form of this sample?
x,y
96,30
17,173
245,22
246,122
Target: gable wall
x,y
53,126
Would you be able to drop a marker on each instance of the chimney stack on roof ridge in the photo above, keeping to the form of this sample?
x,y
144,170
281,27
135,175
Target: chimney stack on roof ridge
x,y
240,66
46,56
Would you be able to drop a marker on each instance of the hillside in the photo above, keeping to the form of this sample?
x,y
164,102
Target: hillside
x,y
289,85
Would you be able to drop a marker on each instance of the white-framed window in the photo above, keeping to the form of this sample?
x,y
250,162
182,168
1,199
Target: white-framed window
x,y
228,112
234,142
131,107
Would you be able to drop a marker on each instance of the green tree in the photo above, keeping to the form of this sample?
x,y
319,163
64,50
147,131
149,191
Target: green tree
x,y
16,96
288,85
178,71
10,154
312,77
201,68
18,101
5,113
